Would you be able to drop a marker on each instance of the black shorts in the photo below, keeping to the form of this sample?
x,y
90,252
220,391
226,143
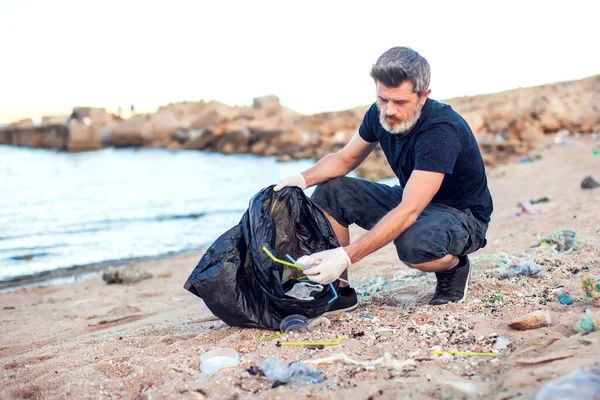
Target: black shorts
x,y
438,231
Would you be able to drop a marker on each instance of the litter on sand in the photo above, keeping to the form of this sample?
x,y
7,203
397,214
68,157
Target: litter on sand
x,y
314,344
386,361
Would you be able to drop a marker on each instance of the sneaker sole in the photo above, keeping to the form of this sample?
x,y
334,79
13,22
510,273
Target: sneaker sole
x,y
354,307
466,286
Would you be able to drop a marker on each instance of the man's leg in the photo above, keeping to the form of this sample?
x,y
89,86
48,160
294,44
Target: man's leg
x,y
445,263
439,242
348,201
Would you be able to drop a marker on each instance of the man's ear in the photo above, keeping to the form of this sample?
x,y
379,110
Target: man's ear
x,y
424,97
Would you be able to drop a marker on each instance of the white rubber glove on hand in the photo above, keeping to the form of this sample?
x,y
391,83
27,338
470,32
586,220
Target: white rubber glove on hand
x,y
294,180
333,263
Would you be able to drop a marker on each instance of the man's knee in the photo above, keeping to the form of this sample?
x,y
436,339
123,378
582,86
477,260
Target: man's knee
x,y
328,189
418,246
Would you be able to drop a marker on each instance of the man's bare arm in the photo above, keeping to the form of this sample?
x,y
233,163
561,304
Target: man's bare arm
x,y
339,163
419,190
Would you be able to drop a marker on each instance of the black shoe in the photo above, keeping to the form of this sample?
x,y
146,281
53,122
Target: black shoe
x,y
452,285
346,301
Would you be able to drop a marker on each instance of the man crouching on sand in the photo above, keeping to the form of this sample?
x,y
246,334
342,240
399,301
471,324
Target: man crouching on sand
x,y
440,212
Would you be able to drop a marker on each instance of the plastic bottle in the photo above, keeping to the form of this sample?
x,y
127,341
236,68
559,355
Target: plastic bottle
x,y
578,385
299,373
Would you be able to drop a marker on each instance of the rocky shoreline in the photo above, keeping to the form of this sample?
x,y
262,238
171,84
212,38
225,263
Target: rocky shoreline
x,y
507,125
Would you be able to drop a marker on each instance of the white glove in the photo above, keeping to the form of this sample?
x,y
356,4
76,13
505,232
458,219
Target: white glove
x,y
294,180
332,264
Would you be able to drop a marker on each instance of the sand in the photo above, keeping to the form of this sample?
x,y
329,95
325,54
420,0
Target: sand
x,y
87,339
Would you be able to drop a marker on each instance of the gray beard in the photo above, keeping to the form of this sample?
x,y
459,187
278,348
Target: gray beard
x,y
402,128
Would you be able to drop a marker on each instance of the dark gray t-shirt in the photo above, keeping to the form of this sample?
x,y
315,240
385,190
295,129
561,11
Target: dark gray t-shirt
x,y
441,141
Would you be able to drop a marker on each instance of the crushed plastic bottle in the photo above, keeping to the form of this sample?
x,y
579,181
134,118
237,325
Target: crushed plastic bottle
x,y
582,384
276,369
304,290
526,267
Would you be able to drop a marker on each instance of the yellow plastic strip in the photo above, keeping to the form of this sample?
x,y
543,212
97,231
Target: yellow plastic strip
x,y
289,264
278,335
334,343
464,353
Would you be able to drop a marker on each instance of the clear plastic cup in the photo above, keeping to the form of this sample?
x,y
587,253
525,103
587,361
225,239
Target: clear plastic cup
x,y
212,361
294,323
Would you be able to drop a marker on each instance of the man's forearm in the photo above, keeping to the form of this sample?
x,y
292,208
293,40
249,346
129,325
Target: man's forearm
x,y
387,229
331,166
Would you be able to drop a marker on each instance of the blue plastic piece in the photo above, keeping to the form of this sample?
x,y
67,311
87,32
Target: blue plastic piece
x,y
565,299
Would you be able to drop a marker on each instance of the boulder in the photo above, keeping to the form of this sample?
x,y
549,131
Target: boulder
x,y
234,142
135,132
269,104
54,120
212,114
200,140
165,125
83,138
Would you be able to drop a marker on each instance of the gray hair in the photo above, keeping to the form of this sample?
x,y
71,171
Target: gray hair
x,y
400,64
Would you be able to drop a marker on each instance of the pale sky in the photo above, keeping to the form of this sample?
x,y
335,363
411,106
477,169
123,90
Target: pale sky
x,y
314,55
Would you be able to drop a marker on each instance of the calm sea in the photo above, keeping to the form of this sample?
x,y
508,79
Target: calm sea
x,y
64,212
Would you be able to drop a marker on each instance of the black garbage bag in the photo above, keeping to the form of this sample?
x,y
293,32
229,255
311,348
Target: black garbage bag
x,y
237,279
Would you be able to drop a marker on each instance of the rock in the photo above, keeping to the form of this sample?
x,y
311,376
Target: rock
x,y
83,138
127,275
165,125
533,320
134,132
375,167
54,120
589,183
270,104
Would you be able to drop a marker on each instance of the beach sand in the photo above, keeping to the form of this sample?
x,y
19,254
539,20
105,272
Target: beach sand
x,y
87,339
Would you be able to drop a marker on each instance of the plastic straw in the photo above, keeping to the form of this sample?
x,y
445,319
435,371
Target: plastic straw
x,y
334,343
289,264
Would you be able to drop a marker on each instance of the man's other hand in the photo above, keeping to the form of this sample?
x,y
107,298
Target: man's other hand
x,y
332,263
294,180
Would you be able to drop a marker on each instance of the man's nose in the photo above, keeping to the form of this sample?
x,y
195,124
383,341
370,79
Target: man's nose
x,y
391,109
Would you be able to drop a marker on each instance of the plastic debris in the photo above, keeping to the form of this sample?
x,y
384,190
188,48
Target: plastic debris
x,y
526,267
591,288
586,324
565,299
217,359
540,200
526,209
303,290
562,241
502,343
319,321
315,344
294,323
583,384
386,361
276,369
375,285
